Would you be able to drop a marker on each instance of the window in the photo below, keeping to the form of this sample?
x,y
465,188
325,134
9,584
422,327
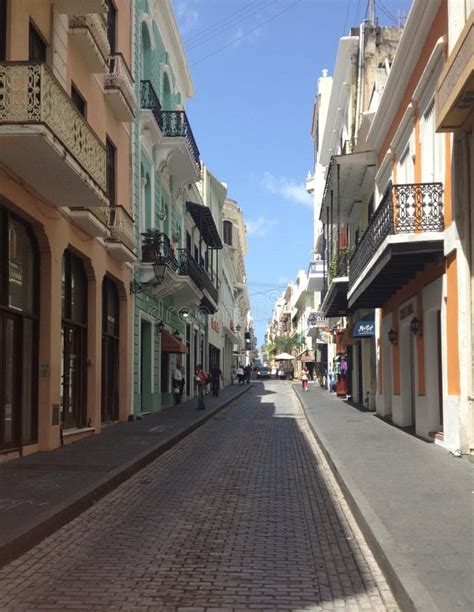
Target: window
x,y
78,101
112,26
111,154
431,148
37,46
228,232
188,241
370,209
3,30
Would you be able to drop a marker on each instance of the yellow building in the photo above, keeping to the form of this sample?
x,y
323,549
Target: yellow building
x,y
66,231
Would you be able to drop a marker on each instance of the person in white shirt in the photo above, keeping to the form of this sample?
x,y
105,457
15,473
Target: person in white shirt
x,y
240,375
178,384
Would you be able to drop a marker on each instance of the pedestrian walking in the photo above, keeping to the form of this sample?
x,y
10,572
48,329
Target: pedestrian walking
x,y
247,374
201,379
216,375
304,379
233,375
240,375
178,384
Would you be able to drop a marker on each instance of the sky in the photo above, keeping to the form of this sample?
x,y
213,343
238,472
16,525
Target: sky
x,y
255,66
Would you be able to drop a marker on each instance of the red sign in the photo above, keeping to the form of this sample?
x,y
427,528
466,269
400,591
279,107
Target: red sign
x,y
215,326
231,326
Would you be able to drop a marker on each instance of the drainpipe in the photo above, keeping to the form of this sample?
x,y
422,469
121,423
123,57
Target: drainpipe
x,y
360,87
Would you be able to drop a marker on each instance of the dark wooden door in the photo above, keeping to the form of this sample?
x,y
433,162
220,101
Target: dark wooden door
x,y
110,355
10,381
73,376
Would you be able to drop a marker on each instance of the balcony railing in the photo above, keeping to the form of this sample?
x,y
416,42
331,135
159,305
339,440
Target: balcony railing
x,y
411,208
339,264
121,227
149,100
95,23
31,95
176,124
189,267
120,78
156,246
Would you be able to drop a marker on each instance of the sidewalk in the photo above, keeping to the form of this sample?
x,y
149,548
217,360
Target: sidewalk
x,y
412,500
42,492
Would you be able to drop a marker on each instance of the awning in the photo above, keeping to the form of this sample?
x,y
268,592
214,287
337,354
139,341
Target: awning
x,y
307,357
365,327
170,344
204,221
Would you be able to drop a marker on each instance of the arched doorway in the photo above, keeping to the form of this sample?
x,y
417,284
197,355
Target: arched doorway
x,y
110,350
19,260
73,342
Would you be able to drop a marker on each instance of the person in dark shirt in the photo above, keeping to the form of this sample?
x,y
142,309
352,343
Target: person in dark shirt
x,y
216,375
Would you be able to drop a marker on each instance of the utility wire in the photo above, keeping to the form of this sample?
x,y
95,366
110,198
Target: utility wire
x,y
222,27
387,13
357,12
347,17
232,42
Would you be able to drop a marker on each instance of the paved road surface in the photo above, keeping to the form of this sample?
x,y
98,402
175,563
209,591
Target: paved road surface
x,y
241,515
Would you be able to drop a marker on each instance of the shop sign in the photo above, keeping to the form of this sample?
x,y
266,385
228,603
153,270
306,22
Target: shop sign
x,y
317,319
215,326
16,273
231,327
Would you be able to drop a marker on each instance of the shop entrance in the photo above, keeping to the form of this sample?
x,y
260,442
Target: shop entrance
x,y
110,351
73,342
10,382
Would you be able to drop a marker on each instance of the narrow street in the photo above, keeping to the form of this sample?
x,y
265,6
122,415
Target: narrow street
x,y
243,514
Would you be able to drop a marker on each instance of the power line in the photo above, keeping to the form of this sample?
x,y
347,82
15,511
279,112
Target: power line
x,y
357,12
232,42
387,13
221,27
347,17
235,15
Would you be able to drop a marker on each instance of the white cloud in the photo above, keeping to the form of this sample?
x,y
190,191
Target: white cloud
x,y
288,189
260,226
187,15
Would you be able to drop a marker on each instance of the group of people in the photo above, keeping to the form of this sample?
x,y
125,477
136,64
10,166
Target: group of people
x,y
201,380
241,375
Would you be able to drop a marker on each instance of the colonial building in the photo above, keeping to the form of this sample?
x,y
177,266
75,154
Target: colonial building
x,y
66,231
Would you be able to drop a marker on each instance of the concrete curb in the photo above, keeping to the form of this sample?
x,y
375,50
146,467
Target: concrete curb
x,y
22,541
408,591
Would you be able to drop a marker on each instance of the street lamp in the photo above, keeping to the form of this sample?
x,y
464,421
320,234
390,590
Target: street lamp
x,y
160,326
416,326
177,335
159,270
238,328
392,336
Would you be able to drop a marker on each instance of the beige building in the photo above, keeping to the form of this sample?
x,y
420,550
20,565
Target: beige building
x,y
66,234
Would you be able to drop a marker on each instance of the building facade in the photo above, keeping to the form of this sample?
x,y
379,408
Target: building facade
x,y
66,226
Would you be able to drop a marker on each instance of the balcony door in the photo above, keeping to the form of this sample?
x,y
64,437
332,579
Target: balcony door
x,y
73,342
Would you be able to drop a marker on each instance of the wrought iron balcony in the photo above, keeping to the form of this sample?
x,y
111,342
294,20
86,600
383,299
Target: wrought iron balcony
x,y
175,124
339,264
90,32
157,247
119,87
189,267
149,100
43,135
412,209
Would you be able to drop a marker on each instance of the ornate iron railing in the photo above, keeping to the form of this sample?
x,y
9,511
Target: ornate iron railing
x,y
176,124
121,225
150,101
339,264
189,267
95,23
121,78
409,208
157,247
30,94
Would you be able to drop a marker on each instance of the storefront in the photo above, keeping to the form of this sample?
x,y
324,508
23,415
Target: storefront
x,y
19,312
